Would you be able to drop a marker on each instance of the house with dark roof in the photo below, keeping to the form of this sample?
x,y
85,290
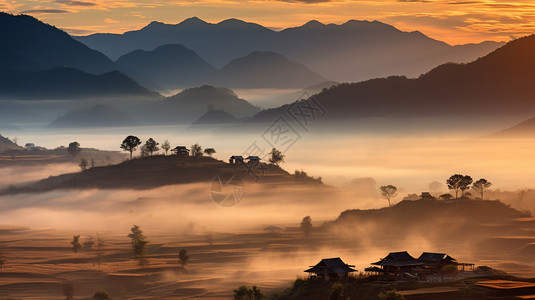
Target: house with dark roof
x,y
253,160
434,262
331,269
400,264
181,151
236,159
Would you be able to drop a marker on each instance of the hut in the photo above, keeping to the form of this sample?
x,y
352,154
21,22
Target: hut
x,y
434,262
181,151
331,269
236,159
253,160
427,196
272,229
399,264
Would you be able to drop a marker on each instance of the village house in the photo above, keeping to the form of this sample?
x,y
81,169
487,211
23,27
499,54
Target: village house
x,y
253,160
236,159
181,151
400,265
331,269
434,262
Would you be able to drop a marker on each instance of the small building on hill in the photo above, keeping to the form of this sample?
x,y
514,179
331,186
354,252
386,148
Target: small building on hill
x,y
427,196
253,160
273,229
400,264
181,151
236,159
331,269
434,262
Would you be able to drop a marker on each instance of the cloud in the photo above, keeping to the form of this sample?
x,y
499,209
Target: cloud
x,y
75,3
44,11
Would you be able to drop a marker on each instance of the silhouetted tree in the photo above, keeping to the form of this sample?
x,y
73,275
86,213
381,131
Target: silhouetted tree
x,y
76,244
68,290
183,257
83,164
139,245
245,293
3,256
445,197
276,157
306,226
88,245
99,250
74,149
196,150
101,294
209,151
459,183
166,146
481,186
152,146
130,144
388,191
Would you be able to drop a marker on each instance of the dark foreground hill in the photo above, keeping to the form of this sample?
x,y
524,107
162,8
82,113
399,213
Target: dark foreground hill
x,y
154,171
7,144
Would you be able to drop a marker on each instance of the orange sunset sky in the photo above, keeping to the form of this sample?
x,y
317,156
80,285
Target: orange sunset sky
x,y
452,21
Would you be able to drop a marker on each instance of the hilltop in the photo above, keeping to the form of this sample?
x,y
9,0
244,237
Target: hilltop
x,y
154,171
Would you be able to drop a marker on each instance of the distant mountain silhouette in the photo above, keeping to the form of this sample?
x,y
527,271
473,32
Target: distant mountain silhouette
x,y
95,116
190,104
265,70
171,66
29,44
61,83
501,82
353,51
215,116
523,129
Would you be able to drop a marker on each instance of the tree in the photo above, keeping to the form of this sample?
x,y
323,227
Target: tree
x,y
459,183
83,164
130,144
245,293
88,245
139,245
183,257
481,186
388,191
74,149
196,150
306,226
152,146
76,244
209,151
99,251
166,146
3,256
445,197
276,157
101,294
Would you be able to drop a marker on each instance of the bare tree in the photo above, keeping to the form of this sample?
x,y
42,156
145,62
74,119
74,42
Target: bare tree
x,y
166,146
130,144
388,191
76,244
196,150
99,250
481,186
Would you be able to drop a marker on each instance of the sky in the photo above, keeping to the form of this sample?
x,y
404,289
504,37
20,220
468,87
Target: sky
x,y
452,21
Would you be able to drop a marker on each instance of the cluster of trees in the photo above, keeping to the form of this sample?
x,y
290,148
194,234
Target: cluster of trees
x,y
461,183
131,143
246,293
89,246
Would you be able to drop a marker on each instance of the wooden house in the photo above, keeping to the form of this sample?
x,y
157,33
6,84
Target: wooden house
x,y
434,262
400,264
236,159
331,269
255,160
181,151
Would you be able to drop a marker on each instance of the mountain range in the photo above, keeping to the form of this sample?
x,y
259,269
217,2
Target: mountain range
x,y
350,52
498,83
